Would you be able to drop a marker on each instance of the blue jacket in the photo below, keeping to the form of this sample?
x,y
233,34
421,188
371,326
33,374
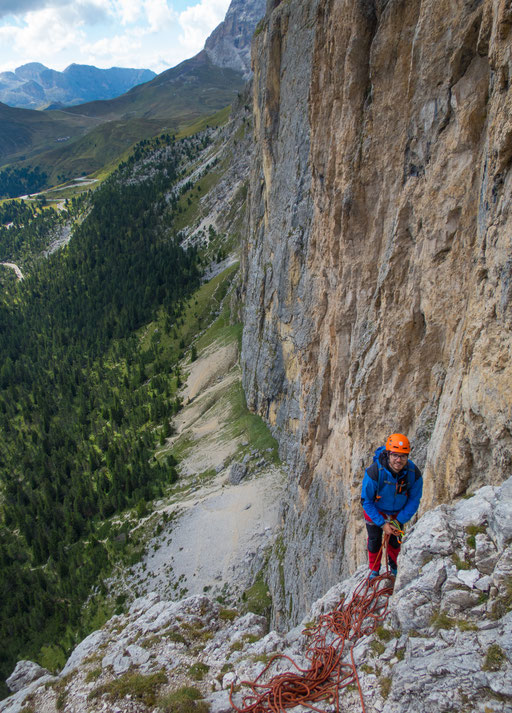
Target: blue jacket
x,y
379,480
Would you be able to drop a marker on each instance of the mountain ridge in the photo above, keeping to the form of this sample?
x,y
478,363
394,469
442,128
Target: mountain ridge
x,y
35,86
197,74
177,97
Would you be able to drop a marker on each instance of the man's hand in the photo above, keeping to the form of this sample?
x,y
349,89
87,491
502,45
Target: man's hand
x,y
389,529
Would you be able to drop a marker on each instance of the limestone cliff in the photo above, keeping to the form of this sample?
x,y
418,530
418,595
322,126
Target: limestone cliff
x,y
229,45
377,266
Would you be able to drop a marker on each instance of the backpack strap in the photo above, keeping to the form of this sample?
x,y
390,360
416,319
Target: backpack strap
x,y
412,475
374,471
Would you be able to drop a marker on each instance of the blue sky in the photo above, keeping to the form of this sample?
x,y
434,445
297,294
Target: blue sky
x,y
149,34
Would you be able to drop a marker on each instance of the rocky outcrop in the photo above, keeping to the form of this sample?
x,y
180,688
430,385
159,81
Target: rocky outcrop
x,y
452,611
446,641
377,260
25,673
229,45
192,642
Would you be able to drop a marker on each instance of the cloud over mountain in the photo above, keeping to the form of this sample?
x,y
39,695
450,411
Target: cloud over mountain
x,y
158,34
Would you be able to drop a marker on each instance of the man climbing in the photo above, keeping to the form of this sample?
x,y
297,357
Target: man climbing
x,y
391,494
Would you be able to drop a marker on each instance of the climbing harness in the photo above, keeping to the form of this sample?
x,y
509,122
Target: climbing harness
x,y
332,639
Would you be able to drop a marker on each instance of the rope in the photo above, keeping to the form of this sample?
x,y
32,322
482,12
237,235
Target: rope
x,y
329,673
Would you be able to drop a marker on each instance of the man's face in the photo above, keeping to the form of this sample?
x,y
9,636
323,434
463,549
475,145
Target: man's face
x,y
397,461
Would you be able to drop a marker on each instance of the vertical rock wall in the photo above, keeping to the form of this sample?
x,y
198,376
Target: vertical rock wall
x,y
378,262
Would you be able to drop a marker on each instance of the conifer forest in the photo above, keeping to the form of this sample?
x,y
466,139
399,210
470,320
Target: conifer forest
x,y
84,398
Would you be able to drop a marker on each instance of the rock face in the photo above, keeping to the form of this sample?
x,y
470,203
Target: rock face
x,y
229,45
449,606
378,273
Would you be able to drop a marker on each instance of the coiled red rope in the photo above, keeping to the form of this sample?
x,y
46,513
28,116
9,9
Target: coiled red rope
x,y
332,642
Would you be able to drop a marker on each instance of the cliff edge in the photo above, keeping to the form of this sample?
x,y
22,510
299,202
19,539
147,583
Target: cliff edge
x,y
377,265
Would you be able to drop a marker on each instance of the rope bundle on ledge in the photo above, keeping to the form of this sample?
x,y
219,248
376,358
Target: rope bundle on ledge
x,y
332,642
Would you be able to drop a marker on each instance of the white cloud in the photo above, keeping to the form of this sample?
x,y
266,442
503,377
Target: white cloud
x,y
45,33
128,11
159,15
137,48
91,12
198,21
115,51
144,44
106,33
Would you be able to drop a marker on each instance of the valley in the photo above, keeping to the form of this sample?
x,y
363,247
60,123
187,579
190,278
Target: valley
x,y
119,407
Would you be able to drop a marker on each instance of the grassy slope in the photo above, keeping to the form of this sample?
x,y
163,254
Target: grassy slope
x,y
88,153
24,130
99,146
215,120
194,88
106,145
101,131
242,423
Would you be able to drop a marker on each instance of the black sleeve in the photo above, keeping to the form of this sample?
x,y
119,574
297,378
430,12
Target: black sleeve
x,y
373,471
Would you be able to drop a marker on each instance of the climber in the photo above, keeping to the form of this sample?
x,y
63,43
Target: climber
x,y
391,494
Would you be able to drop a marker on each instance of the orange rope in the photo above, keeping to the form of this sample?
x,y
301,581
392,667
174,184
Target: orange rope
x,y
328,673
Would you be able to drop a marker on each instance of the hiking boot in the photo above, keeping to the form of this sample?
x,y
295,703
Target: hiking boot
x,y
392,571
373,574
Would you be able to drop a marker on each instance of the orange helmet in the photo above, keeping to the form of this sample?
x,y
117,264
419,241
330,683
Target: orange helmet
x,y
398,443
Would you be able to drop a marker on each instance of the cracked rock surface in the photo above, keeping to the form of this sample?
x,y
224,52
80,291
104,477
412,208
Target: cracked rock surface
x,y
446,644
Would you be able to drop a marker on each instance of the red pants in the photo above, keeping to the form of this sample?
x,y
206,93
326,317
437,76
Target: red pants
x,y
375,543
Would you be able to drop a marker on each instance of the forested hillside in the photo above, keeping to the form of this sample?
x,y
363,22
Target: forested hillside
x,y
24,229
17,181
87,392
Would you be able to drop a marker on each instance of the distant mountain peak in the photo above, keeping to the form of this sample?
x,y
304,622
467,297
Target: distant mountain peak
x,y
74,65
31,70
229,45
31,66
77,84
